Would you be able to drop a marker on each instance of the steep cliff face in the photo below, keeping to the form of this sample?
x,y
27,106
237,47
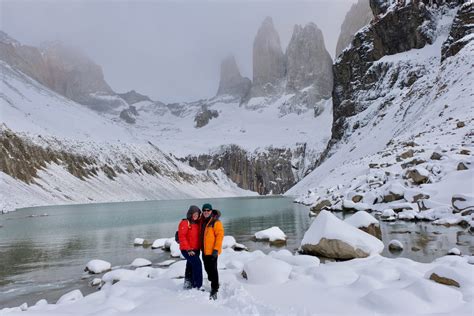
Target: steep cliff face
x,y
399,30
461,32
308,62
274,170
269,64
231,81
358,16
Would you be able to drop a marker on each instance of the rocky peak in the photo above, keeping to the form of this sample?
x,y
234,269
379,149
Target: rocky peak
x,y
268,60
132,97
74,74
231,81
6,39
359,15
308,62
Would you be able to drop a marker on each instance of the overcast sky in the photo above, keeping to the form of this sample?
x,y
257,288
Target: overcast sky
x,y
168,50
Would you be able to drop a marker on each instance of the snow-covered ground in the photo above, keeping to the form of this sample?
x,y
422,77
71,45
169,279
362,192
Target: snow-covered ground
x,y
279,284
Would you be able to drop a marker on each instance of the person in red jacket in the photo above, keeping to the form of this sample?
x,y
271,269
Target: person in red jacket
x,y
189,233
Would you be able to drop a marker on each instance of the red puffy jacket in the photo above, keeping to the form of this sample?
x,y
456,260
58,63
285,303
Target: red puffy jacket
x,y
189,235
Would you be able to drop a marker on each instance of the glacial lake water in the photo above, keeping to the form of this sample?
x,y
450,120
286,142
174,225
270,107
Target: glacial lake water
x,y
44,256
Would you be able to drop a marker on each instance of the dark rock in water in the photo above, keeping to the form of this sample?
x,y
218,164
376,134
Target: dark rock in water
x,y
415,249
269,63
463,25
203,117
231,82
395,246
444,280
462,166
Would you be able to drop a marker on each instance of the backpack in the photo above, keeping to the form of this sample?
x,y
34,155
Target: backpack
x,y
176,236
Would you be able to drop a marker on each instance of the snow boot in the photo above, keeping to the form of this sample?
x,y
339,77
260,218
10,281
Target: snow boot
x,y
213,295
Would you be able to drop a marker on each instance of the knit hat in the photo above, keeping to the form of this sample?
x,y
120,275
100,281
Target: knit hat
x,y
207,206
192,209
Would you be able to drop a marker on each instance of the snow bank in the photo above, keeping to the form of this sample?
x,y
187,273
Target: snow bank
x,y
141,262
267,270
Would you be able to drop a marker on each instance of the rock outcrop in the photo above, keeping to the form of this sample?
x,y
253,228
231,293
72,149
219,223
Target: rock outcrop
x,y
357,17
308,62
461,31
231,81
269,64
399,30
203,117
266,172
132,97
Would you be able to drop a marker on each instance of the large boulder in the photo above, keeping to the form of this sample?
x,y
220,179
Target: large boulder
x,y
331,237
269,63
308,61
231,81
267,270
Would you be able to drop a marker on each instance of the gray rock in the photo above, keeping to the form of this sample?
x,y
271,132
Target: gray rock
x,y
129,115
444,280
231,82
416,177
373,229
269,63
308,62
435,156
324,204
462,166
333,248
358,16
203,117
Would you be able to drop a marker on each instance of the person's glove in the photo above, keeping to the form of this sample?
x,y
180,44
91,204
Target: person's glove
x,y
191,253
215,253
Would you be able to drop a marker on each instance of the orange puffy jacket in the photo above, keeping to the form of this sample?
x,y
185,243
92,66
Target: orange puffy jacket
x,y
189,235
213,234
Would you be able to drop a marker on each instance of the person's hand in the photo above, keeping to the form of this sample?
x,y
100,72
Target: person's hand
x,y
191,253
215,253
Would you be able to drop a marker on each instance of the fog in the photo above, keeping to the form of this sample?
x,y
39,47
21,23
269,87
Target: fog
x,y
168,50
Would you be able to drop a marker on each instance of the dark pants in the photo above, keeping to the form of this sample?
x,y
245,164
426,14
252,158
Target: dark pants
x,y
210,264
193,272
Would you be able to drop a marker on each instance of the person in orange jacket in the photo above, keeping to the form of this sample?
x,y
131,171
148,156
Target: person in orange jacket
x,y
189,235
212,235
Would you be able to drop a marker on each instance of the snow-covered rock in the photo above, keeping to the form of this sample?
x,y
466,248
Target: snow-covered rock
x,y
97,266
141,262
159,243
395,245
141,242
272,234
454,251
365,222
228,242
330,237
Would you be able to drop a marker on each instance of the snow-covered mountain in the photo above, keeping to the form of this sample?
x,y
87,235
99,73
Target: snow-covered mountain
x,y
403,118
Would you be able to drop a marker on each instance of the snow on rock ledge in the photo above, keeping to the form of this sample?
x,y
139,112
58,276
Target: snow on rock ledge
x,y
330,237
70,297
97,266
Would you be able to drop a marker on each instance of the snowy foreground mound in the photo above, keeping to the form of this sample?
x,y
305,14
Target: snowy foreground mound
x,y
293,285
